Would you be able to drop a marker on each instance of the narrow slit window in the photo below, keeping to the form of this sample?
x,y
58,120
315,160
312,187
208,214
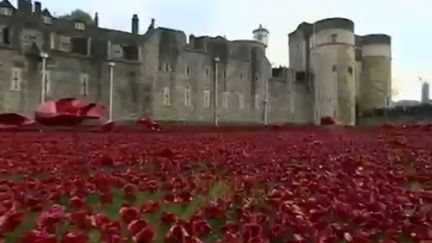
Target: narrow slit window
x,y
350,70
84,84
225,100
206,97
16,77
187,97
241,101
6,36
166,96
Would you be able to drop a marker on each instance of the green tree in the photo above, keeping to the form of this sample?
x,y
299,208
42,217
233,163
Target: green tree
x,y
78,15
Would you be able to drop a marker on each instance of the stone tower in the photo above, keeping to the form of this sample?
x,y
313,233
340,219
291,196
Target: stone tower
x,y
375,77
261,35
332,64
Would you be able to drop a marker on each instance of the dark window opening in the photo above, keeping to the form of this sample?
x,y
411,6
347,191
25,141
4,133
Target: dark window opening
x,y
334,37
188,70
79,46
6,36
350,70
358,54
334,68
130,52
300,76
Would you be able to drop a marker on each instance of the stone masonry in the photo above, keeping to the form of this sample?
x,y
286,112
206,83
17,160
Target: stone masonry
x,y
160,74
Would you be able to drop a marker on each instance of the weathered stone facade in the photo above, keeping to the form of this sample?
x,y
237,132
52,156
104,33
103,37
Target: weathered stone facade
x,y
160,74
346,73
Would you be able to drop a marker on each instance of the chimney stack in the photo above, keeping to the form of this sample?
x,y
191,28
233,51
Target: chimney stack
x,y
25,6
135,24
38,7
96,19
152,25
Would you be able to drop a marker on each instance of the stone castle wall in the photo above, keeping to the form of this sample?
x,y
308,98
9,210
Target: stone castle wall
x,y
159,74
165,75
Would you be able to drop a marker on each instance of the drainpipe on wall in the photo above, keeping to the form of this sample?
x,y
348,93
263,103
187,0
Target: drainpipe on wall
x,y
216,91
111,89
266,101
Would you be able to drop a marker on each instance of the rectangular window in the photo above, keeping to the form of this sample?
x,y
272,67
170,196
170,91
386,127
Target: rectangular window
x,y
187,97
257,102
206,95
52,41
241,100
16,77
300,76
166,96
6,11
65,43
6,36
225,99
79,45
350,70
334,38
188,70
47,20
130,52
79,26
84,78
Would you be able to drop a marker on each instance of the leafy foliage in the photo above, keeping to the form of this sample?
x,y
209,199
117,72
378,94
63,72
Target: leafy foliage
x,y
78,15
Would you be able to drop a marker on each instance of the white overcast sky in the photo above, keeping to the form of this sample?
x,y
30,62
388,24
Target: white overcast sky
x,y
409,22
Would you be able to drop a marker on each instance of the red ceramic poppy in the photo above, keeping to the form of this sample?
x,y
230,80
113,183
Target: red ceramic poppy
x,y
108,127
149,124
13,120
67,112
327,120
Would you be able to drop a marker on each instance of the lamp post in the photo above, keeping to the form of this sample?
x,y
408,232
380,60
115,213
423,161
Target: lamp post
x,y
44,57
111,89
216,91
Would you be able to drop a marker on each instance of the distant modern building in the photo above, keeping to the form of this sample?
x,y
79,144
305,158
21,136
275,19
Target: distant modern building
x,y
425,93
406,103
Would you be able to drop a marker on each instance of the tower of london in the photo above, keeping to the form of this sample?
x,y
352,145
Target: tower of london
x,y
165,75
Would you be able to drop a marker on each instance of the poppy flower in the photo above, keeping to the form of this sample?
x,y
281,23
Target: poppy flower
x,y
10,220
108,127
13,120
168,218
128,214
201,228
67,112
149,124
80,219
76,202
327,120
136,226
149,207
177,233
74,237
37,236
144,236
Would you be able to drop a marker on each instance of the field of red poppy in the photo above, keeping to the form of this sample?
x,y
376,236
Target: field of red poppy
x,y
292,185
